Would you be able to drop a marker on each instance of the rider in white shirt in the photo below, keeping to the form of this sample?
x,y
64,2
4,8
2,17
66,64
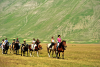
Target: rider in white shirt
x,y
33,43
52,42
6,41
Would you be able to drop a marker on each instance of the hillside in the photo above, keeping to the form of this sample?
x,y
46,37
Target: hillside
x,y
74,20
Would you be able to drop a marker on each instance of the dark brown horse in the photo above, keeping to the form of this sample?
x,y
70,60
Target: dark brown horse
x,y
24,49
6,47
16,47
61,48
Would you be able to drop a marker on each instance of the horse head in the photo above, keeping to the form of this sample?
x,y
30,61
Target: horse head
x,y
64,43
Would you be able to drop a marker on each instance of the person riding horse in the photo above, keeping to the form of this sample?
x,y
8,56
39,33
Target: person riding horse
x,y
33,44
52,42
13,43
58,41
5,46
17,41
23,45
37,43
24,48
6,40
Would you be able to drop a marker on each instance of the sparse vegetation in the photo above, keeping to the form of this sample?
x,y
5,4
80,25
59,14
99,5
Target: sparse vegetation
x,y
76,55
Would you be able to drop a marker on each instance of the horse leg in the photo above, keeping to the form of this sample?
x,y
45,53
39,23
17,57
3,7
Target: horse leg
x,y
56,54
52,53
62,55
27,53
37,54
21,51
16,52
10,50
6,51
55,51
59,54
33,52
30,53
48,51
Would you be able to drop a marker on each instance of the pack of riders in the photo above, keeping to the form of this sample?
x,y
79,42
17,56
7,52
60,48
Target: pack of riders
x,y
34,43
53,42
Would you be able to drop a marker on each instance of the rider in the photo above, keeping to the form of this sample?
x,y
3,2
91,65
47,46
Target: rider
x,y
6,41
13,43
37,42
3,44
52,42
33,43
17,41
58,40
24,44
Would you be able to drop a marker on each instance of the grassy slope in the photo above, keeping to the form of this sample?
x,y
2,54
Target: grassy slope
x,y
76,55
75,20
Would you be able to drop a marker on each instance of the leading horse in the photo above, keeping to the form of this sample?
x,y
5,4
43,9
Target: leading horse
x,y
61,48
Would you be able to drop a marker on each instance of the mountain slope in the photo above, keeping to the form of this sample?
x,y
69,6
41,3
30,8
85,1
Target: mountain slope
x,y
74,20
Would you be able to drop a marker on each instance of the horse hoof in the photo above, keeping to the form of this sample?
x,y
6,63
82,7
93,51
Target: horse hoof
x,y
62,58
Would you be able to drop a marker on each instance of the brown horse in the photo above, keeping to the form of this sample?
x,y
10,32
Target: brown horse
x,y
34,49
11,47
61,48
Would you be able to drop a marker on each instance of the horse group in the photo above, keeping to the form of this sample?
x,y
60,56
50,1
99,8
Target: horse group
x,y
16,46
57,51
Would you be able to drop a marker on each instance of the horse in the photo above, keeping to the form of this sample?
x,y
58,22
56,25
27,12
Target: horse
x,y
6,47
11,47
34,49
16,47
23,50
52,49
62,46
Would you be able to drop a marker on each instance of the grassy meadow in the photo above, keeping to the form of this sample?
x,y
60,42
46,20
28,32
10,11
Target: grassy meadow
x,y
76,55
